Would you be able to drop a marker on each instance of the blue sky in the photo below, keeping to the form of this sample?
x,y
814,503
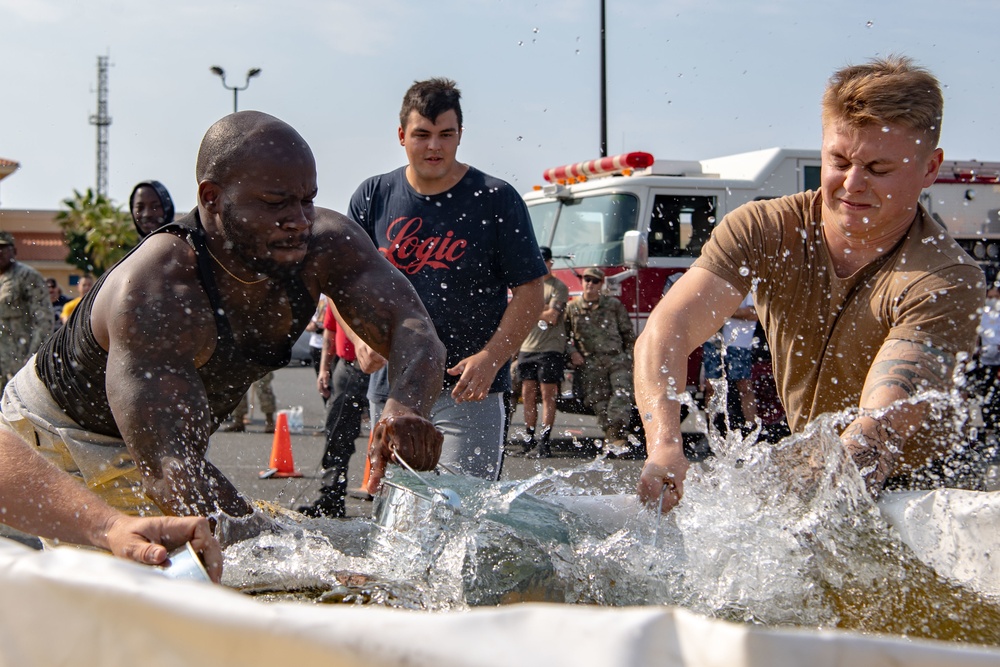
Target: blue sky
x,y
686,80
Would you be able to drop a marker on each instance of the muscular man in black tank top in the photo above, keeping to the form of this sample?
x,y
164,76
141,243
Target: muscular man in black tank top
x,y
176,332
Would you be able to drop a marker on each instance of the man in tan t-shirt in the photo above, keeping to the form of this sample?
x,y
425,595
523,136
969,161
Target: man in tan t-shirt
x,y
540,362
866,301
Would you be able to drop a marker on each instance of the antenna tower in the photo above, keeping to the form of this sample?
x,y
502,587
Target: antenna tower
x,y
102,120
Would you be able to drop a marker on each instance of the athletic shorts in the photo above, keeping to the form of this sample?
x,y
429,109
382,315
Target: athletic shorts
x,y
739,362
544,367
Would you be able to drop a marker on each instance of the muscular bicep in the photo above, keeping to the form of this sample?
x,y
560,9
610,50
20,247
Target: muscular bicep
x,y
157,332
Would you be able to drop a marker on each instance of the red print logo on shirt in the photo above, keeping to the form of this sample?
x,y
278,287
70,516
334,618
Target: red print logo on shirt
x,y
410,253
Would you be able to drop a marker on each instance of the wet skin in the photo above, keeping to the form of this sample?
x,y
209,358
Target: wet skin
x,y
158,327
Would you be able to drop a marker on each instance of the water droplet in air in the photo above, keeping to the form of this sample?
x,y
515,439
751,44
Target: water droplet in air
x,y
744,271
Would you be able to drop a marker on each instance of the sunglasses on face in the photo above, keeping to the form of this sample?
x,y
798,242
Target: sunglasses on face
x,y
589,279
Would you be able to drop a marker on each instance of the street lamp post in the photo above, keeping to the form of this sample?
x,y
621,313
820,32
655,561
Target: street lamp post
x,y
604,87
221,73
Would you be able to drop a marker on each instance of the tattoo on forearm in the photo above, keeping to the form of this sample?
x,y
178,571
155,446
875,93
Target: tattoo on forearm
x,y
875,446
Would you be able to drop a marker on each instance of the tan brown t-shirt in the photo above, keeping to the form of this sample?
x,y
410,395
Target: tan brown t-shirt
x,y
825,331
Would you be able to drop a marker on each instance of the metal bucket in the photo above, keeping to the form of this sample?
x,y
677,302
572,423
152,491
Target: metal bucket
x,y
185,563
420,505
415,506
400,508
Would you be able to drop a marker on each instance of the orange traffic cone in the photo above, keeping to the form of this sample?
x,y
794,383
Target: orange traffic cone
x,y
362,492
368,463
281,464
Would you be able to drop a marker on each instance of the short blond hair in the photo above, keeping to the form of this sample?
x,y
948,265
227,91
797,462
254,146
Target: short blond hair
x,y
886,90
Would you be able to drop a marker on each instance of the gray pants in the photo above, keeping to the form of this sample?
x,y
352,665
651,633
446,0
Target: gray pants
x,y
473,433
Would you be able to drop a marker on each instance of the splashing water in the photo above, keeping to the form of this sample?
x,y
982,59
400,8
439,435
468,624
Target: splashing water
x,y
783,535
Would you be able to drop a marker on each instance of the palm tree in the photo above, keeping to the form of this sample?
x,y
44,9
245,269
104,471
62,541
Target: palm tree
x,y
97,232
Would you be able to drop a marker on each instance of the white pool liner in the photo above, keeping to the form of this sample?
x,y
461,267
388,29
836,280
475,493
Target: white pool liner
x,y
953,531
75,607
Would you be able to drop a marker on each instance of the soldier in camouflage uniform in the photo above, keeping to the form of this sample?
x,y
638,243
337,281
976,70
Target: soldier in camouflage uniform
x,y
602,336
25,311
266,402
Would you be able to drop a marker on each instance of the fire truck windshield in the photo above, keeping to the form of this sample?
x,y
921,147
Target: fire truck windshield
x,y
589,229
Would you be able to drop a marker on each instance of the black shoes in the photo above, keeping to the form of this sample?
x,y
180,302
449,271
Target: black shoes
x,y
325,507
543,452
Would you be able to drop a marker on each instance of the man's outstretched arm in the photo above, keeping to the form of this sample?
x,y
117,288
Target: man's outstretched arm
x,y
42,500
694,308
157,327
375,301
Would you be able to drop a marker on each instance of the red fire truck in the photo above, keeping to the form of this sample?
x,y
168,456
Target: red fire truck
x,y
643,221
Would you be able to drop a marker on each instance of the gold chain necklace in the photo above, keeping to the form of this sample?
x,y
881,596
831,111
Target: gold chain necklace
x,y
231,274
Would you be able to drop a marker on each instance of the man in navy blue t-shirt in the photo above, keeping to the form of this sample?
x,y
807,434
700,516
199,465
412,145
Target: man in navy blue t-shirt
x,y
463,238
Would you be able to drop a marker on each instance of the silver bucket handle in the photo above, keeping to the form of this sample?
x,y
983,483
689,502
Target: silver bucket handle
x,y
448,496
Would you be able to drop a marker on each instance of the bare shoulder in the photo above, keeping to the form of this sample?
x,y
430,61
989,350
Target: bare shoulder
x,y
153,291
332,230
164,264
339,247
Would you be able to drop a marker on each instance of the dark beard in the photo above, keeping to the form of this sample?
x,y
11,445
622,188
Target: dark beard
x,y
237,239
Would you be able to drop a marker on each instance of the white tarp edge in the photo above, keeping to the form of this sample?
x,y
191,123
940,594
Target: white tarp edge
x,y
955,532
74,607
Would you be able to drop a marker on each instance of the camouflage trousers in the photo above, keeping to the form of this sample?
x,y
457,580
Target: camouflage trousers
x,y
13,357
265,397
606,380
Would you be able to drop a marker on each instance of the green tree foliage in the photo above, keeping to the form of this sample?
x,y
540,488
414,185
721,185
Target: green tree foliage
x,y
97,232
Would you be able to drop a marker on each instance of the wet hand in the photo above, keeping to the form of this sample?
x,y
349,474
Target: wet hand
x,y
413,438
663,482
148,540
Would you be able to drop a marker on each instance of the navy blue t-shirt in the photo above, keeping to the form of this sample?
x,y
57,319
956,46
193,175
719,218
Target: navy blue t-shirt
x,y
461,249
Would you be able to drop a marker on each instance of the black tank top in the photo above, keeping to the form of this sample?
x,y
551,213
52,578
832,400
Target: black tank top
x,y
73,365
